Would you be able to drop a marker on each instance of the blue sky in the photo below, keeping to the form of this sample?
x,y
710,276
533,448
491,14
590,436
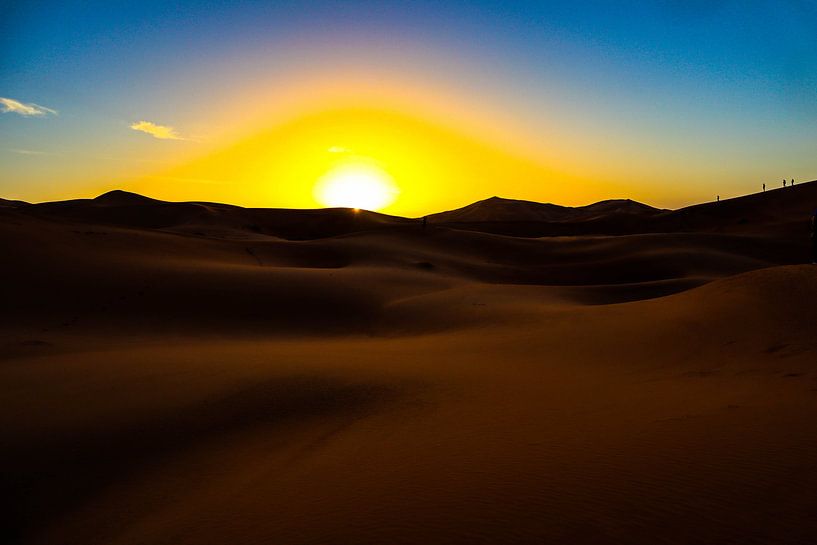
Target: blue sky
x,y
679,90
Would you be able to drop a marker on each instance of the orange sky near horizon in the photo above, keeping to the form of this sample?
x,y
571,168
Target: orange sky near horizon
x,y
268,146
441,150
434,167
438,155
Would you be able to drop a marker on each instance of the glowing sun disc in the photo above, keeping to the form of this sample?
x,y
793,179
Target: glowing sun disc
x,y
356,186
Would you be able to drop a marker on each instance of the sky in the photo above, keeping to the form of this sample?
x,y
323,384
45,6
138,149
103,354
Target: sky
x,y
260,103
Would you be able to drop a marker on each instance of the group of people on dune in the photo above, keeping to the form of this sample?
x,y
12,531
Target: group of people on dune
x,y
784,183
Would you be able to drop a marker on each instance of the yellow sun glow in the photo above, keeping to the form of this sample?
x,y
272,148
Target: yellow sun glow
x,y
369,158
356,185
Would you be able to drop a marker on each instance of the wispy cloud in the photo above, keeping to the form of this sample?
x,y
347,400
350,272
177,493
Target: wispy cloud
x,y
9,105
162,132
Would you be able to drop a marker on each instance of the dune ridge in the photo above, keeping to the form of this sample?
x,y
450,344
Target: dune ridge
x,y
499,209
782,211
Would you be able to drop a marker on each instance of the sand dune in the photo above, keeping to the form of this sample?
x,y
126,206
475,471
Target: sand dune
x,y
512,210
782,211
213,219
201,373
11,203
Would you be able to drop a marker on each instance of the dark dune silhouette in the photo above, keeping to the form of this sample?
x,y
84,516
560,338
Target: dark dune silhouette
x,y
11,203
203,373
499,209
780,211
783,212
213,219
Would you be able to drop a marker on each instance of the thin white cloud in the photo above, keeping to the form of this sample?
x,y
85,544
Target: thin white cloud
x,y
9,105
162,132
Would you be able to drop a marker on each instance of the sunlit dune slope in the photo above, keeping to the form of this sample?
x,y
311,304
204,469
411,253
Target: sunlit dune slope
x,y
541,421
206,374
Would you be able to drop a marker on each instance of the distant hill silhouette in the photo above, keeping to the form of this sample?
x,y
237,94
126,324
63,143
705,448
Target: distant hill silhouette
x,y
11,203
785,210
117,197
499,209
127,209
780,211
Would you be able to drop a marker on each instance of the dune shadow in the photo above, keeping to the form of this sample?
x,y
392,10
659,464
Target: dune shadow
x,y
49,478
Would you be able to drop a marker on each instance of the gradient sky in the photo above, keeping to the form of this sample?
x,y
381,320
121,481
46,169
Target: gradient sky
x,y
668,102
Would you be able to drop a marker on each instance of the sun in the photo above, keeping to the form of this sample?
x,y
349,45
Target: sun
x,y
356,185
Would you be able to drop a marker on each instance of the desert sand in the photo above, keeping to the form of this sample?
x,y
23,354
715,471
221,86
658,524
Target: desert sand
x,y
197,373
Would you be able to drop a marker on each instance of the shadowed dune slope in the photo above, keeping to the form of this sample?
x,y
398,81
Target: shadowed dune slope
x,y
107,276
543,422
170,375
